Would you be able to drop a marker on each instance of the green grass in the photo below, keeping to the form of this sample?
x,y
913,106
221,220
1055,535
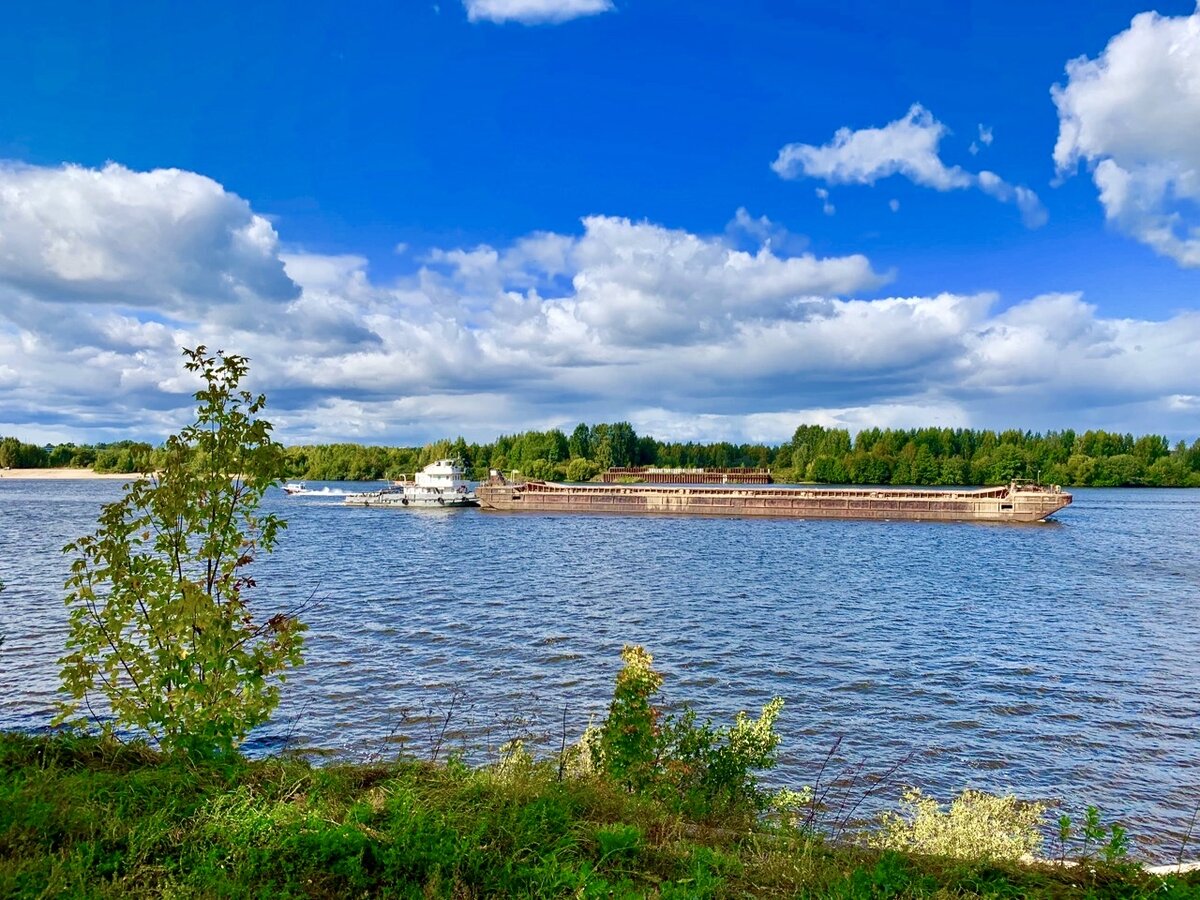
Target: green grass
x,y
81,818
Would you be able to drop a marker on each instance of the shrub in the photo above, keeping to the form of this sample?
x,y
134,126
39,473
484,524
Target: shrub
x,y
1111,841
580,469
695,767
515,764
159,626
712,769
976,826
628,745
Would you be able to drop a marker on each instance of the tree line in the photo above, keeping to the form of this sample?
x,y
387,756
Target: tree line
x,y
916,456
120,456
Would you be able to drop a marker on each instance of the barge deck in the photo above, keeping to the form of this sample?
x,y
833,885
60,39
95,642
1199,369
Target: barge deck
x,y
659,475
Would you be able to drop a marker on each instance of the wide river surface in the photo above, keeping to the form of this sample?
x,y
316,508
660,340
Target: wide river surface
x,y
1057,661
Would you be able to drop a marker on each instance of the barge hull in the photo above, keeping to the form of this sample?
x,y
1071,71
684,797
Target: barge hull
x,y
1002,504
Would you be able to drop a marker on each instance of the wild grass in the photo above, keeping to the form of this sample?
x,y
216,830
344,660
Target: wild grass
x,y
80,817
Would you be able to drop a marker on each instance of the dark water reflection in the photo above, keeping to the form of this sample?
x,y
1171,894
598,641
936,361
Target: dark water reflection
x,y
1055,661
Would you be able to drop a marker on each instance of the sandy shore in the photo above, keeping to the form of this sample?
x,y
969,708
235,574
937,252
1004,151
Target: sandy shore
x,y
76,474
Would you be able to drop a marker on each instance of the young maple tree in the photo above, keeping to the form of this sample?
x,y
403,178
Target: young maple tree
x,y
159,623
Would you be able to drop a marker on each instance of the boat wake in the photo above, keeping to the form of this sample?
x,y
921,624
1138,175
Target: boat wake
x,y
318,492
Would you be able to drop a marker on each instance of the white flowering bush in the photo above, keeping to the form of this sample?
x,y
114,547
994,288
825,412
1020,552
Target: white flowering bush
x,y
976,825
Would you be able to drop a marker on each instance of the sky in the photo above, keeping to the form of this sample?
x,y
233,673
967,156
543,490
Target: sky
x,y
714,220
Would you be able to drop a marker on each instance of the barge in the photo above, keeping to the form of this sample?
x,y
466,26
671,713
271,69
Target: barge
x,y
659,475
1014,502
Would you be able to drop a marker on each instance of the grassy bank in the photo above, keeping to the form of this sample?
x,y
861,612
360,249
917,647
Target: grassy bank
x,y
81,818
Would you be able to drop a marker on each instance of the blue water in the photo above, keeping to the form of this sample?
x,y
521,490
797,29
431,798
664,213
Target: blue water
x,y
1057,661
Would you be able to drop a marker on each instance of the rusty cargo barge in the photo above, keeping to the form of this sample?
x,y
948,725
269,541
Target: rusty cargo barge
x,y
1014,502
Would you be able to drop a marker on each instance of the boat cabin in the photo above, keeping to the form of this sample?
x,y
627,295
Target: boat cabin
x,y
445,474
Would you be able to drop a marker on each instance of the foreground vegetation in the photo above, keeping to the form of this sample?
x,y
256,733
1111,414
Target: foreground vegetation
x,y
85,818
921,456
162,636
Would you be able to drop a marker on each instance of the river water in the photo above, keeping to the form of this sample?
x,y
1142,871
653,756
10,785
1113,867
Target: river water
x,y
1057,661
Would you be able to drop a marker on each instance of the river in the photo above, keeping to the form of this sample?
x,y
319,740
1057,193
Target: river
x,y
1057,661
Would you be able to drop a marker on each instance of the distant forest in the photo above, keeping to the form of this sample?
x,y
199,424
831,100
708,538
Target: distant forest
x,y
921,456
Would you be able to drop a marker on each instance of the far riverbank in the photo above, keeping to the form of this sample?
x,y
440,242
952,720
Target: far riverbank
x,y
65,474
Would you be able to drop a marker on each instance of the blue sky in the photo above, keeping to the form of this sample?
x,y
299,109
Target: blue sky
x,y
716,220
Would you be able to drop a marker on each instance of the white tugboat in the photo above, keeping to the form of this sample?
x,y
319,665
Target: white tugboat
x,y
438,485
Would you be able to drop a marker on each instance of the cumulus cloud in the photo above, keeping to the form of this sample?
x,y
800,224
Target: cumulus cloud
x,y
166,239
686,334
1133,116
644,284
533,12
908,146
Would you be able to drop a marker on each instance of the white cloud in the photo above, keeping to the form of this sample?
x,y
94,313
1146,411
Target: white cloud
x,y
688,334
1129,368
166,239
908,146
645,284
762,232
985,140
762,228
826,207
1133,116
533,12
640,283
1033,214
